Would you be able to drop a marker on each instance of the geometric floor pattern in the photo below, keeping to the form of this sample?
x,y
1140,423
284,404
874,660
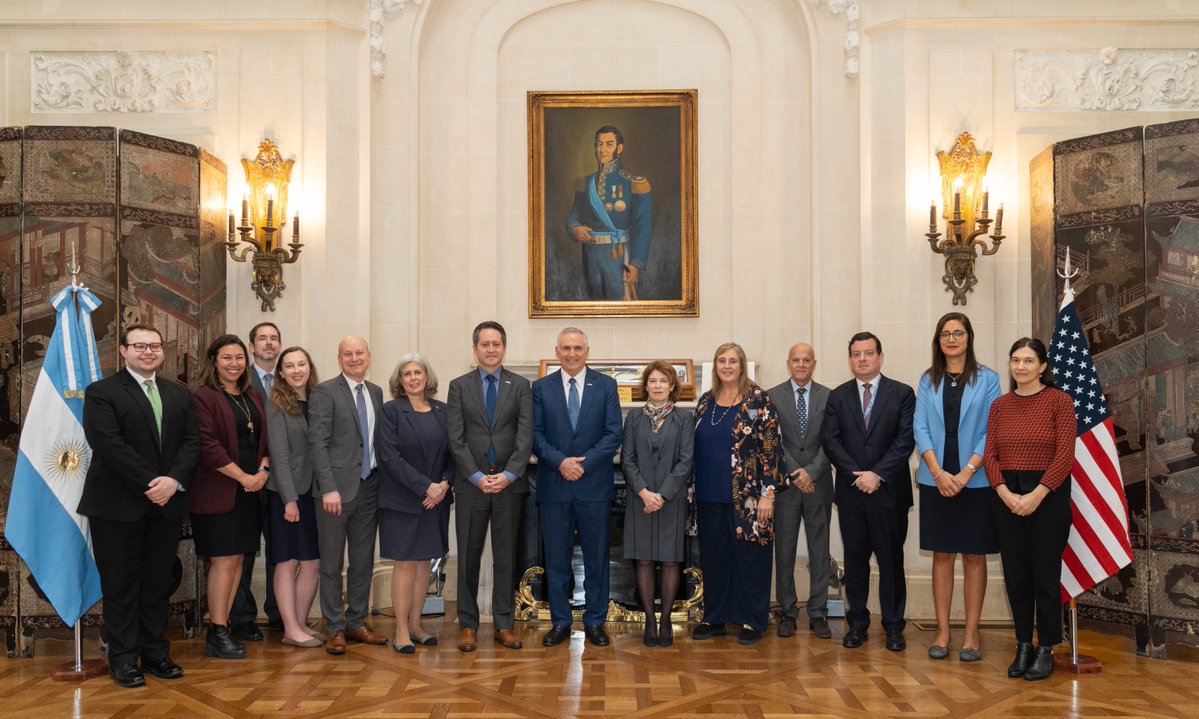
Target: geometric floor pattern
x,y
798,677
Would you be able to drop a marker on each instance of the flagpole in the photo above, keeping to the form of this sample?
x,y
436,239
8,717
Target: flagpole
x,y
80,670
1077,663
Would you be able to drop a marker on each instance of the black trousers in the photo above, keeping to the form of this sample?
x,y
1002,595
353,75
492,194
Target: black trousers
x,y
736,572
1031,550
870,528
135,561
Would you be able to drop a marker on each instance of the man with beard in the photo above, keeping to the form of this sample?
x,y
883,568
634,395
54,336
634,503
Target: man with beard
x,y
611,218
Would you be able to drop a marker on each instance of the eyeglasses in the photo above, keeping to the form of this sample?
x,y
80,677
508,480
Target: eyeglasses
x,y
143,346
956,334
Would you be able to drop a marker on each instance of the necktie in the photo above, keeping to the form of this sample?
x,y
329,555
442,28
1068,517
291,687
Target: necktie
x,y
156,405
867,404
489,399
267,382
364,425
801,410
572,403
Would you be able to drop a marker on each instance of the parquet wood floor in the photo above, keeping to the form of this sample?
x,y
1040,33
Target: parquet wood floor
x,y
799,677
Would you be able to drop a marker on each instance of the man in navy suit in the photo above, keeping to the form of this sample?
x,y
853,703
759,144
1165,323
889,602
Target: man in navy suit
x,y
868,438
576,432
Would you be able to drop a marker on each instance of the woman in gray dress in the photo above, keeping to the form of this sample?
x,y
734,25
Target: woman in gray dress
x,y
656,461
414,493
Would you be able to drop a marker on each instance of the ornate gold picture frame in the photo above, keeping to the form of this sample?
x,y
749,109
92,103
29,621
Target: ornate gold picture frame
x,y
612,204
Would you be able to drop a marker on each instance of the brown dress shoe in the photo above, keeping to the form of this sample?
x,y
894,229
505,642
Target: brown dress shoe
x,y
467,643
508,639
336,644
366,635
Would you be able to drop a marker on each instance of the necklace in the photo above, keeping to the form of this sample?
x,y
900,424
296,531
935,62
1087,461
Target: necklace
x,y
237,400
953,379
712,417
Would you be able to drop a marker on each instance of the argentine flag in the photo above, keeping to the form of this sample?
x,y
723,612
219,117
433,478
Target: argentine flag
x,y
54,456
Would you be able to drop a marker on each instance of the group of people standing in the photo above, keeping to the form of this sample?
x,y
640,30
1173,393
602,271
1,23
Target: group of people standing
x,y
325,468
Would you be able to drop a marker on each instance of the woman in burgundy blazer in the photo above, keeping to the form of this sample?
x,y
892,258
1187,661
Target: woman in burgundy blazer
x,y
225,490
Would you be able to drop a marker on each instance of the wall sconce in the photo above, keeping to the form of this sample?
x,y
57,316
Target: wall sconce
x,y
267,180
963,187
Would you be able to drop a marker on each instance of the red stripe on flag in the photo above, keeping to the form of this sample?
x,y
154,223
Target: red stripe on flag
x,y
1077,571
1086,532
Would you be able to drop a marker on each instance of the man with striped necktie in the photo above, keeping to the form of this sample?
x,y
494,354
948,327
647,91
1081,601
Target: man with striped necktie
x,y
868,439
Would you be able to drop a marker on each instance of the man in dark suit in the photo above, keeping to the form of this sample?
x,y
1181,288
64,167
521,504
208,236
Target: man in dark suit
x,y
145,442
490,423
576,432
342,414
868,438
265,343
809,499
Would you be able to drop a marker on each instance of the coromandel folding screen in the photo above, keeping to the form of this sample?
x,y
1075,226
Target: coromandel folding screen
x,y
1124,206
142,217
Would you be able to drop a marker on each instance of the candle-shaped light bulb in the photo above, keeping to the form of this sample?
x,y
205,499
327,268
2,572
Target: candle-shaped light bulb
x,y
932,215
295,227
231,224
245,209
957,198
999,219
986,198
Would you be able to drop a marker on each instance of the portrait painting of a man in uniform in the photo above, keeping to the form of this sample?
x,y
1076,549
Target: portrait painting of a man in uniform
x,y
612,204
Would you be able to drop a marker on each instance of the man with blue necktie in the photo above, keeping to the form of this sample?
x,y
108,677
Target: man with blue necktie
x,y
612,219
489,419
576,433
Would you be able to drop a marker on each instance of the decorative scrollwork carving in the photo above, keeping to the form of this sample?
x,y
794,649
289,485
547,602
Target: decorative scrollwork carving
x,y
120,81
1106,80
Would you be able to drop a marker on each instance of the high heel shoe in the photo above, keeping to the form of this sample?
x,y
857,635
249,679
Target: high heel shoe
x,y
650,637
666,632
1042,666
1023,659
221,644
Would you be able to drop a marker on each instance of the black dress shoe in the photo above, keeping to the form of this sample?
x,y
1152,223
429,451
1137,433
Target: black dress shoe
x,y
162,668
1023,659
221,644
556,636
650,636
707,631
854,639
666,633
820,628
896,642
275,624
787,627
127,676
1041,667
749,636
246,632
596,635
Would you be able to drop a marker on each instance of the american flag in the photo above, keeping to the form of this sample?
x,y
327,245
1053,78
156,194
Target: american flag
x,y
1099,545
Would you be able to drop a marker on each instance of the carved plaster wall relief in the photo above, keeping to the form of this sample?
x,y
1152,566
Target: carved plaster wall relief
x,y
1106,80
852,38
380,11
117,81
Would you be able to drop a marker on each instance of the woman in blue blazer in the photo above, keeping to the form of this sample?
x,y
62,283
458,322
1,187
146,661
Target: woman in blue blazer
x,y
952,406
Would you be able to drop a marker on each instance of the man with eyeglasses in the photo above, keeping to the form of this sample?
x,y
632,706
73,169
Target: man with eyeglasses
x,y
144,438
265,343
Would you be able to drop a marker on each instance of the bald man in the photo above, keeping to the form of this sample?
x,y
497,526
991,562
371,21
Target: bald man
x,y
341,430
809,497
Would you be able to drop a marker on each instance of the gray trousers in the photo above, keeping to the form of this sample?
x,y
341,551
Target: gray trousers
x,y
357,528
472,513
791,508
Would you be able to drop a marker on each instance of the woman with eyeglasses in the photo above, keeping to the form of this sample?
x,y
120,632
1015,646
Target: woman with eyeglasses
x,y
1029,455
952,406
231,472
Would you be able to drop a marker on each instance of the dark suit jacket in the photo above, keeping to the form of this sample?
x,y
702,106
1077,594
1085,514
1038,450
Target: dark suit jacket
x,y
213,492
256,382
883,449
119,424
408,467
805,453
511,431
334,439
596,438
291,469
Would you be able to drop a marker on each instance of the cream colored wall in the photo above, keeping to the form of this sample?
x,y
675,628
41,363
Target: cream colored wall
x,y
813,185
